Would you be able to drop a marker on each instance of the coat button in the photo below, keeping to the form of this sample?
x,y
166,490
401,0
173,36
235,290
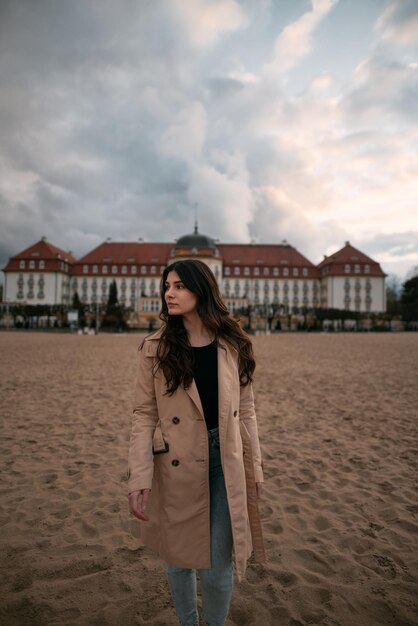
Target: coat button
x,y
175,420
235,413
175,462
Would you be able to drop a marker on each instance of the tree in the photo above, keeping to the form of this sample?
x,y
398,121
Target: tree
x,y
113,294
76,301
412,272
113,317
77,304
393,295
409,300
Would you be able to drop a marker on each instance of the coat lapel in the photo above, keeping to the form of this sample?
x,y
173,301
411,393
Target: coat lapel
x,y
193,393
225,379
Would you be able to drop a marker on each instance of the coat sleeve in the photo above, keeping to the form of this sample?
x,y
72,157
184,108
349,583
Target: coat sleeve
x,y
247,415
144,421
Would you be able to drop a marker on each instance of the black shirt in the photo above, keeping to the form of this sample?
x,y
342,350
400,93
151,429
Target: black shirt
x,y
205,373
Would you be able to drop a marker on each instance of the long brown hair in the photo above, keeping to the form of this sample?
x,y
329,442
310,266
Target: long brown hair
x,y
174,354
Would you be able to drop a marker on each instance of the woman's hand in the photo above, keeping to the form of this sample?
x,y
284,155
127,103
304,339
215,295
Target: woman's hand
x,y
138,501
259,489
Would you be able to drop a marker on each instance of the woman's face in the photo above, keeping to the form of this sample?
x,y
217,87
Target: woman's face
x,y
180,301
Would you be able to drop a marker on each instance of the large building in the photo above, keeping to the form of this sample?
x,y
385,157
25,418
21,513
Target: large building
x,y
39,275
267,277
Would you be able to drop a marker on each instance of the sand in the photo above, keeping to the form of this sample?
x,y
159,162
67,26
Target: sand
x,y
338,423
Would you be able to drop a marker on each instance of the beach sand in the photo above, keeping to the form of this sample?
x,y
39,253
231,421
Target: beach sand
x,y
338,420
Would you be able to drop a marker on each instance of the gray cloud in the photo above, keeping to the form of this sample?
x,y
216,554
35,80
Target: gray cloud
x,y
117,117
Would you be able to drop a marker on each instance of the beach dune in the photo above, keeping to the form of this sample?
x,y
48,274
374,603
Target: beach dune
x,y
338,422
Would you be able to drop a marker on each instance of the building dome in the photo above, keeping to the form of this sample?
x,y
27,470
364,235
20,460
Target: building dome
x,y
195,241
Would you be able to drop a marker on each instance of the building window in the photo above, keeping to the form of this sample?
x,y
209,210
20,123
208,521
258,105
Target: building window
x,y
32,265
124,269
105,269
133,269
256,271
143,269
227,271
236,271
95,269
153,269
266,271
305,271
246,271
367,269
285,271
41,265
85,269
275,271
347,268
114,269
153,288
22,264
357,268
163,267
295,271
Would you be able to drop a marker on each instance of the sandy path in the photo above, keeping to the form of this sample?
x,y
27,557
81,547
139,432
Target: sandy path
x,y
338,421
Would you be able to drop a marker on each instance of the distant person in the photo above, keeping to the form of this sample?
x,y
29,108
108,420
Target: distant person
x,y
194,459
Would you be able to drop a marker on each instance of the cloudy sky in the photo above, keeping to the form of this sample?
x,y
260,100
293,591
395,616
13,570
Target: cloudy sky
x,y
277,119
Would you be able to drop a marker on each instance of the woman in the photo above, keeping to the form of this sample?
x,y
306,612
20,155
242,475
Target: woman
x,y
194,458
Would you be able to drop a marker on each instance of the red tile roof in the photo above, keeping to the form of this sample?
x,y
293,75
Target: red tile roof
x,y
150,253
262,254
43,250
334,265
121,253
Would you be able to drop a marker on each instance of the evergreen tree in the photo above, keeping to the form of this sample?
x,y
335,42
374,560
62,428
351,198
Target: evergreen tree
x,y
76,301
113,294
409,300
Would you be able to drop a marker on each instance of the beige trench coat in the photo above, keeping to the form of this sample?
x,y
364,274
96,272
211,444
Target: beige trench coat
x,y
178,507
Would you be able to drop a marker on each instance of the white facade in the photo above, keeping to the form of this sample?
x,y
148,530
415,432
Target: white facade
x,y
363,294
37,288
260,275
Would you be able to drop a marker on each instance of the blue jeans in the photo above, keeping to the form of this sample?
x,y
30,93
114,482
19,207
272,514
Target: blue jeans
x,y
216,582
